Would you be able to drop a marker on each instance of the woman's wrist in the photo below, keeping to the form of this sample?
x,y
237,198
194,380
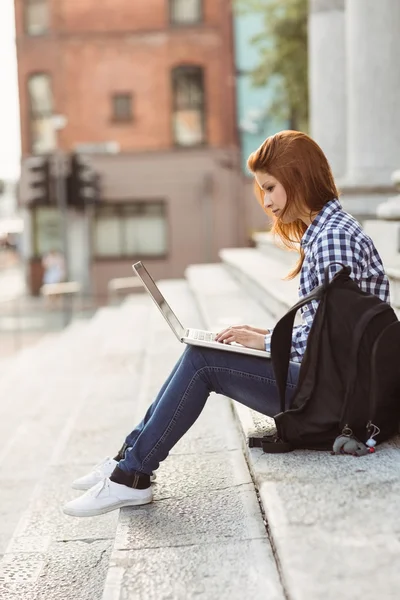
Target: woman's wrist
x,y
263,331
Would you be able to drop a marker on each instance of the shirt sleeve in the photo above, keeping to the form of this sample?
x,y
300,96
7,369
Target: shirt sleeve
x,y
333,246
337,245
268,341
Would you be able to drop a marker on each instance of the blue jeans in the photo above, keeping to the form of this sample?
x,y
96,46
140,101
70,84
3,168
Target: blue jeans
x,y
200,371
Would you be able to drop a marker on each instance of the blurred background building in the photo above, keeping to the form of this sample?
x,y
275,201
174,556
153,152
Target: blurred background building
x,y
147,91
167,98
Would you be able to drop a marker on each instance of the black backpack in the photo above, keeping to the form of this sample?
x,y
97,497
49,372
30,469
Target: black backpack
x,y
348,393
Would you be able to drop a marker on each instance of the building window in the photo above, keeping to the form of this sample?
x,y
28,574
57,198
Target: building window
x,y
122,107
136,229
43,135
36,17
188,106
47,232
185,12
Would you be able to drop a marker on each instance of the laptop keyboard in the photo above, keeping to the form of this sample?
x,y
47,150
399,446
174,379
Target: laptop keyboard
x,y
203,336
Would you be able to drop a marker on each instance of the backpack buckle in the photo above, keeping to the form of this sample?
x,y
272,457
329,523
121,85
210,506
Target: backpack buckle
x,y
271,444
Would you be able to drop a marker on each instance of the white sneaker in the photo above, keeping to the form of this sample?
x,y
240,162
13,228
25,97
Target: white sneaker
x,y
106,496
102,470
98,473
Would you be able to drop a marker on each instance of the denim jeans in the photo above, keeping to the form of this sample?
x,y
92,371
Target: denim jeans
x,y
200,371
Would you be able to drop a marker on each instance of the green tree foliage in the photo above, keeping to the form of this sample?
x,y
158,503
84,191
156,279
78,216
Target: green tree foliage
x,y
283,61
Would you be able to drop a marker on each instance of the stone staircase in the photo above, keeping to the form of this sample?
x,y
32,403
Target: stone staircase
x,y
71,400
333,521
227,521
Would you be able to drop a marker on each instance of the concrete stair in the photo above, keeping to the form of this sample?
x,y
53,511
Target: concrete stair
x,y
327,526
333,521
204,535
71,400
56,420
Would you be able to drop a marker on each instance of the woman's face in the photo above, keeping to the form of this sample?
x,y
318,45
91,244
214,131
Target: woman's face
x,y
275,198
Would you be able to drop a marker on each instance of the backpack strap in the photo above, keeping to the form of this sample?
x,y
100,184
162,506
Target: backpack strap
x,y
344,272
281,341
271,444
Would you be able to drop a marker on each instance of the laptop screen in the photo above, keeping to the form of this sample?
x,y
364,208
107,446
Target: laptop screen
x,y
159,299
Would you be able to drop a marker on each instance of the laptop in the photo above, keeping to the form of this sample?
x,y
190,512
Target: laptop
x,y
195,337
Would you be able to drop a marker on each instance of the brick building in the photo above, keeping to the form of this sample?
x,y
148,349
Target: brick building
x,y
153,81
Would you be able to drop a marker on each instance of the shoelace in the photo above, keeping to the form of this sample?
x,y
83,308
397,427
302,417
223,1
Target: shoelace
x,y
98,488
98,469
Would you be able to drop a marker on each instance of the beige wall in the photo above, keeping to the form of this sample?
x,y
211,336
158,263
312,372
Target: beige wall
x,y
207,209
210,205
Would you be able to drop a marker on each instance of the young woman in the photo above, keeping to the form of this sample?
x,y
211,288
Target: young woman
x,y
294,184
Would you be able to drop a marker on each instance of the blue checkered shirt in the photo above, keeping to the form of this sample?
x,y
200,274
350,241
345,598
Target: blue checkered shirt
x,y
334,235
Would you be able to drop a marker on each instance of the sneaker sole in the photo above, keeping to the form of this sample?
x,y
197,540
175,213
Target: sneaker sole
x,y
106,509
83,487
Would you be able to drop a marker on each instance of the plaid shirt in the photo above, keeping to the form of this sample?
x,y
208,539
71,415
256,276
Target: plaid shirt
x,y
334,235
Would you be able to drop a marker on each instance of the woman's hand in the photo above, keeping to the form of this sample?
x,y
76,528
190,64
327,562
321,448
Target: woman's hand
x,y
251,337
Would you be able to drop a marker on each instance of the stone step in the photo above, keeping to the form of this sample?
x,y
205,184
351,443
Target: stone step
x,y
265,244
210,285
203,537
263,278
67,420
269,245
333,520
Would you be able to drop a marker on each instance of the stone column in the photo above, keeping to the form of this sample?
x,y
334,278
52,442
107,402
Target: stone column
x,y
386,231
373,87
327,79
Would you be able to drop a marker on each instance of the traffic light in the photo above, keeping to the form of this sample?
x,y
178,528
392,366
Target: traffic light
x,y
38,180
83,184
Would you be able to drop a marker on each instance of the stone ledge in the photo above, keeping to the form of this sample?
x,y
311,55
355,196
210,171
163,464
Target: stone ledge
x,y
333,520
263,277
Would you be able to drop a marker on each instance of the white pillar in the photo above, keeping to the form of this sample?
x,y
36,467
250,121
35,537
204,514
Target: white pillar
x,y
327,80
373,86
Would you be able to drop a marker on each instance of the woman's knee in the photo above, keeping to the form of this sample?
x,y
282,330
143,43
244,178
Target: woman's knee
x,y
194,355
200,359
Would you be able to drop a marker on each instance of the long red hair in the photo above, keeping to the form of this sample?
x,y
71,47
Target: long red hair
x,y
299,164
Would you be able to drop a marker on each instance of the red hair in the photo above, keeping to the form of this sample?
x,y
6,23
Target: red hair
x,y
299,164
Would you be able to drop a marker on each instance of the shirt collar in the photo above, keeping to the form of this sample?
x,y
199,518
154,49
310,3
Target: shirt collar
x,y
319,222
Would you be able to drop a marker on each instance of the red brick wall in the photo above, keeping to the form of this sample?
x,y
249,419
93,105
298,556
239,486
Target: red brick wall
x,y
96,49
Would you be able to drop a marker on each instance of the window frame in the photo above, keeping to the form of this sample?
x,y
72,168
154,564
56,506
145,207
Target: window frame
x,y
174,23
118,207
114,118
36,208
188,68
26,6
31,113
